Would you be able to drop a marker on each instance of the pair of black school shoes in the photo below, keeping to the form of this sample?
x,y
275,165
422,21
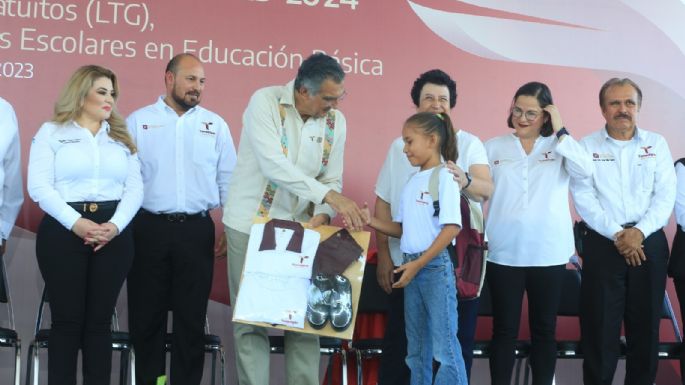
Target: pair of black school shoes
x,y
330,297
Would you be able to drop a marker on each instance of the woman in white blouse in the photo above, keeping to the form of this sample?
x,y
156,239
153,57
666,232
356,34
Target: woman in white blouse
x,y
529,228
84,173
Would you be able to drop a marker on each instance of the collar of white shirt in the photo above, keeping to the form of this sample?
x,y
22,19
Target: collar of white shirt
x,y
640,134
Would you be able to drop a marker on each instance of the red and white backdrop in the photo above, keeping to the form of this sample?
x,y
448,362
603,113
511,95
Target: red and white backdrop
x,y
489,47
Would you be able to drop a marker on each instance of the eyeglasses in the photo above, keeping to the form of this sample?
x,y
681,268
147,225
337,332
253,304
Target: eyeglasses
x,y
530,115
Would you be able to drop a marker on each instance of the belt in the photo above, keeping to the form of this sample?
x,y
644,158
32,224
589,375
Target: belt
x,y
91,207
629,225
177,217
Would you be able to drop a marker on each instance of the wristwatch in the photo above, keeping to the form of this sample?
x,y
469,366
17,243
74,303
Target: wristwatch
x,y
562,132
468,181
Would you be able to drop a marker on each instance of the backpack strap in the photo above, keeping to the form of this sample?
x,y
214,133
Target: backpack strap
x,y
477,221
434,188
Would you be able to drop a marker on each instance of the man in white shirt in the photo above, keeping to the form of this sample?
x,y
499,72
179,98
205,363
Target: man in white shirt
x,y
625,204
187,157
11,192
290,166
433,91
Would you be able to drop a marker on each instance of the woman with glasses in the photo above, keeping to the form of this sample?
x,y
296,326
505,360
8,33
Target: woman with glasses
x,y
529,228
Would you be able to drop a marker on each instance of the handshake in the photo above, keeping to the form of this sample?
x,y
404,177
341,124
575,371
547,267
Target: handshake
x,y
366,218
354,218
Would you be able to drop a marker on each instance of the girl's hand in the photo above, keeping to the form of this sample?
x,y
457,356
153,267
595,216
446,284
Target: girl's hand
x,y
408,271
366,214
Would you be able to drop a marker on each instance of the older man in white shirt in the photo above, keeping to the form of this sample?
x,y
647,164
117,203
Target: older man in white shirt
x,y
11,192
290,164
625,204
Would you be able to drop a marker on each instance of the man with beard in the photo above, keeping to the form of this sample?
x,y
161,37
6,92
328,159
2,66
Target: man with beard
x,y
625,204
290,165
187,157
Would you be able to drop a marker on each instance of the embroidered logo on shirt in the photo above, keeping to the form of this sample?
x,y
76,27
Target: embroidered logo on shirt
x,y
647,154
206,130
289,320
69,141
607,157
422,198
546,157
498,162
316,139
146,126
302,263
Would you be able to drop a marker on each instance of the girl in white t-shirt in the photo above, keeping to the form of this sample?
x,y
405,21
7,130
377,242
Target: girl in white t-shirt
x,y
427,273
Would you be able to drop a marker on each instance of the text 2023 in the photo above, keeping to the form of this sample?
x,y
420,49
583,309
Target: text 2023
x,y
16,70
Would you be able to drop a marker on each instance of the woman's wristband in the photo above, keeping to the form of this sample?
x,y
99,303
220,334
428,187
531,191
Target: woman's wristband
x,y
468,181
562,132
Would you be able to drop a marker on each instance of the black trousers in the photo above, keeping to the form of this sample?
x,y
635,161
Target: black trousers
x,y
172,270
543,286
393,369
83,287
611,292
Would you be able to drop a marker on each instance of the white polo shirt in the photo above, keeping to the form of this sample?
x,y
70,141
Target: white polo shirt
x,y
298,175
633,181
280,261
11,192
397,169
275,282
69,164
186,160
420,227
529,221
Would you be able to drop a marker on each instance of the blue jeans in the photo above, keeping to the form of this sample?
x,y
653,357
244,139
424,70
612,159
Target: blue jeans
x,y
430,311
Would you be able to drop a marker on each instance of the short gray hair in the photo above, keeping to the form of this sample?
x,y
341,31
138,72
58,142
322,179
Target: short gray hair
x,y
315,70
619,82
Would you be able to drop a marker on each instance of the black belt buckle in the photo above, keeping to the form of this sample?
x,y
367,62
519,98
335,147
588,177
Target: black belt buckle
x,y
177,217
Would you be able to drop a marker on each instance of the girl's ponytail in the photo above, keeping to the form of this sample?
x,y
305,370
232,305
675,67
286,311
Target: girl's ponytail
x,y
448,139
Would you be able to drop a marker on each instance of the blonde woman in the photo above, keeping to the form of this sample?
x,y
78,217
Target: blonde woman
x,y
84,173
